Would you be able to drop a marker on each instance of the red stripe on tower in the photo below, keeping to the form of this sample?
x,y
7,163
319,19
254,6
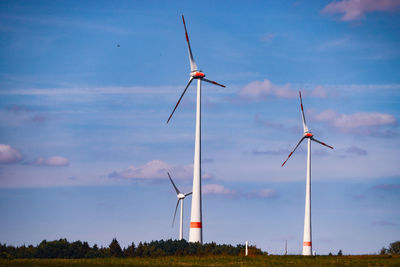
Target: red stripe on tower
x,y
195,225
306,244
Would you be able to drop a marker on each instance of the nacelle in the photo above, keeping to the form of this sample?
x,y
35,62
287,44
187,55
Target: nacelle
x,y
197,74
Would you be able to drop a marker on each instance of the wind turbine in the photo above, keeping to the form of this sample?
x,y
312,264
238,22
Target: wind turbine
x,y
307,243
180,197
195,233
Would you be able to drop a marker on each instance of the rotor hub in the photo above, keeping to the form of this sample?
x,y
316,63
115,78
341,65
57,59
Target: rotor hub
x,y
197,74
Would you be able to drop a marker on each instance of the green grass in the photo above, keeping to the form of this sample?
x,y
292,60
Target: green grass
x,y
367,260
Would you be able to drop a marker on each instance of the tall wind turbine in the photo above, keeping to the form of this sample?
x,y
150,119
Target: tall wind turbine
x,y
307,243
180,197
195,233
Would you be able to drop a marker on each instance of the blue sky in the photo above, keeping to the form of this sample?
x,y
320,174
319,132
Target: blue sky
x,y
84,147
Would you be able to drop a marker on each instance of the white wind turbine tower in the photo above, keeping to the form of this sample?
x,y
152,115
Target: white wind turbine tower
x,y
195,233
180,197
307,243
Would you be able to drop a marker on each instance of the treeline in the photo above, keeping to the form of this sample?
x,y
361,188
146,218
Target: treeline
x,y
63,249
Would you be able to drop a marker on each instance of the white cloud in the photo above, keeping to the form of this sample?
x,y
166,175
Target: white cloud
x,y
259,90
319,91
52,161
285,91
356,120
266,193
216,189
155,169
9,154
256,89
356,9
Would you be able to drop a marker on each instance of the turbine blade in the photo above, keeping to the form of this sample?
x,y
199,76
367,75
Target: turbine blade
x,y
322,143
193,65
188,194
209,81
173,221
176,188
302,113
301,140
184,91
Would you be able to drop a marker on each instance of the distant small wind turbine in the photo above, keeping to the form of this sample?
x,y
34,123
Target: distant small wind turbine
x,y
285,247
180,197
196,225
307,243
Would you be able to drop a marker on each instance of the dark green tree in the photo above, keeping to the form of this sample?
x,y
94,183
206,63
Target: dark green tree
x,y
340,253
94,252
115,249
394,248
53,249
139,250
130,250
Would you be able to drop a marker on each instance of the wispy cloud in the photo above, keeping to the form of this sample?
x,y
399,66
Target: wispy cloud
x,y
334,44
56,161
9,154
264,193
356,9
261,90
320,91
155,169
367,123
221,190
217,189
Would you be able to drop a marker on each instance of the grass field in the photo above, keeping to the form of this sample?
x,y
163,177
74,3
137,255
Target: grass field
x,y
370,260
